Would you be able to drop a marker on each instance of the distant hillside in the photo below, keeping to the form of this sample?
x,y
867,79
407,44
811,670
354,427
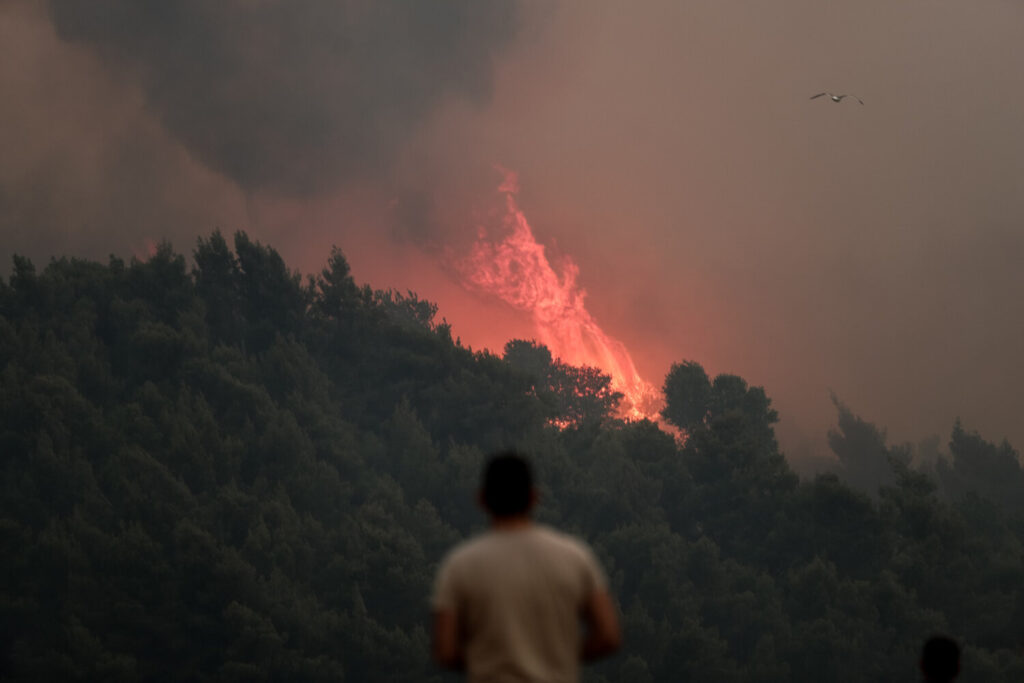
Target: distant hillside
x,y
225,471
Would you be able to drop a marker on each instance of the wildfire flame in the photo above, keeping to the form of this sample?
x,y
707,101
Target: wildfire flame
x,y
517,270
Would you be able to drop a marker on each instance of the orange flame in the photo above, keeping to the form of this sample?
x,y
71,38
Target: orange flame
x,y
517,271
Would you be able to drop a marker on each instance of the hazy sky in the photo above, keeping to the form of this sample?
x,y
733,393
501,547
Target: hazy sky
x,y
669,148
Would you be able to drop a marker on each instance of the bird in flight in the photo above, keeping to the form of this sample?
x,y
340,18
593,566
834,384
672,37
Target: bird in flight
x,y
837,98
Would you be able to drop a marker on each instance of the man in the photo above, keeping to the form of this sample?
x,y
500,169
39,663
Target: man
x,y
940,660
508,604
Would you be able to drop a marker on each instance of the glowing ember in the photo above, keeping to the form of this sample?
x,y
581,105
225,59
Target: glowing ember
x,y
516,270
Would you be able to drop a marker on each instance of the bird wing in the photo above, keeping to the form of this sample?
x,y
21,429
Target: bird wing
x,y
818,95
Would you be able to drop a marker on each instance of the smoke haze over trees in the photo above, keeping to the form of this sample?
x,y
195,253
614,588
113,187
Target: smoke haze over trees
x,y
216,469
668,147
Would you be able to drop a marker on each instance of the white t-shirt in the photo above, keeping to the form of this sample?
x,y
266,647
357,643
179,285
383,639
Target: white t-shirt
x,y
518,595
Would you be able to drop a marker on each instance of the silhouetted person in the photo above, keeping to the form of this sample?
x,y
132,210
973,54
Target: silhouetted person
x,y
940,660
509,604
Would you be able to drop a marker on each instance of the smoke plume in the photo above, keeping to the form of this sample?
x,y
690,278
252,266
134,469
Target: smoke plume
x,y
294,95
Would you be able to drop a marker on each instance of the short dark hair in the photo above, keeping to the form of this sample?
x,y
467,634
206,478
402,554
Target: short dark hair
x,y
508,483
940,659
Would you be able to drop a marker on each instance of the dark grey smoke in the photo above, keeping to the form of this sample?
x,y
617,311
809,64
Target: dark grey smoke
x,y
294,95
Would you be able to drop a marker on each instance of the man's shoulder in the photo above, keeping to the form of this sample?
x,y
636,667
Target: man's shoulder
x,y
561,538
486,542
465,550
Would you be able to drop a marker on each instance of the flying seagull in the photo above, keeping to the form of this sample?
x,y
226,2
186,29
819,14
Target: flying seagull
x,y
837,98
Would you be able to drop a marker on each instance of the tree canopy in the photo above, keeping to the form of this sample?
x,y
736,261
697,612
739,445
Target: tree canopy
x,y
224,472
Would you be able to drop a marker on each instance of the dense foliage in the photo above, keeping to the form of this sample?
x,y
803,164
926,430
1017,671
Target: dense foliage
x,y
225,472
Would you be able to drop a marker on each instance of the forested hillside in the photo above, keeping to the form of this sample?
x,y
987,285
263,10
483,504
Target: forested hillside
x,y
214,470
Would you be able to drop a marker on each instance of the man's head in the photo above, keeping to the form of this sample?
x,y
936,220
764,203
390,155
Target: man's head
x,y
507,489
940,659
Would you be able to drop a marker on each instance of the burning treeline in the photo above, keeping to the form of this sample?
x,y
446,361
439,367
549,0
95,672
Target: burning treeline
x,y
516,269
